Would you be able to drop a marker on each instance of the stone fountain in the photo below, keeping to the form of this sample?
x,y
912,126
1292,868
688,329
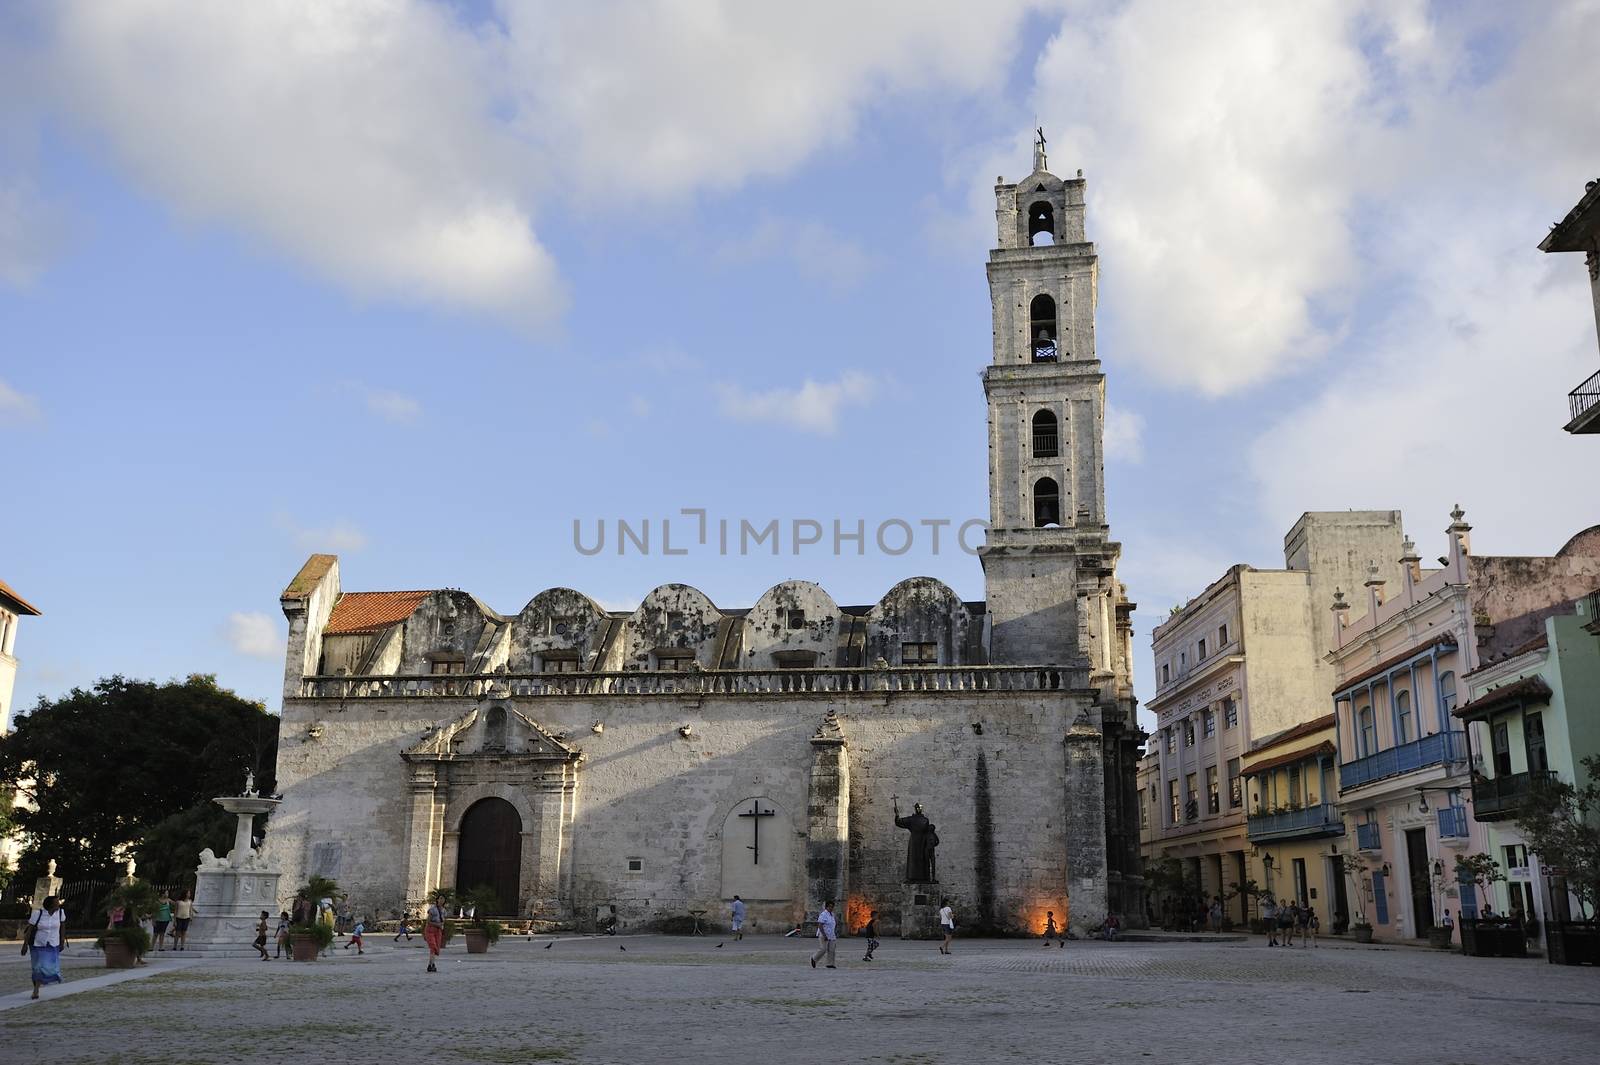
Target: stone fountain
x,y
231,892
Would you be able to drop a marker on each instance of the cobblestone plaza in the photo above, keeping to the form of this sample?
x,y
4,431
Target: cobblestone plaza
x,y
686,999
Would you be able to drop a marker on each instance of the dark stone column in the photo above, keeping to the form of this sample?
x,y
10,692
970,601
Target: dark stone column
x,y
1086,825
828,819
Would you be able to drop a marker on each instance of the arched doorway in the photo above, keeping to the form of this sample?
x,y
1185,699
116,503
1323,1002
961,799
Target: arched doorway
x,y
490,852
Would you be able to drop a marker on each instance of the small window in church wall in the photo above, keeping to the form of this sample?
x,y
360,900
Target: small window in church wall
x,y
444,666
1041,224
674,661
1043,328
919,654
1046,439
558,664
795,619
635,865
1046,503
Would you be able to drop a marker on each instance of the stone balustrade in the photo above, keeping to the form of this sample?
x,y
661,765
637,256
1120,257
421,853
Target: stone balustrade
x,y
704,682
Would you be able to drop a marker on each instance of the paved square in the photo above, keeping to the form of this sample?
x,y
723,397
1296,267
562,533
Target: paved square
x,y
685,999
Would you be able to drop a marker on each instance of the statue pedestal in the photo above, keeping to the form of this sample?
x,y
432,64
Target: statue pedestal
x,y
231,892
919,911
50,885
228,904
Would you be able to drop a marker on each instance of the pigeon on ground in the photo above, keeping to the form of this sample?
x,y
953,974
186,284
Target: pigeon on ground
x,y
550,944
719,946
623,949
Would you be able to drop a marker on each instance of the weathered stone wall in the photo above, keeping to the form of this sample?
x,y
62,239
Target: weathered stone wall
x,y
646,792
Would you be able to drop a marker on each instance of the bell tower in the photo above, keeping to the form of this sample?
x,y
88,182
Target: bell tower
x,y
1049,563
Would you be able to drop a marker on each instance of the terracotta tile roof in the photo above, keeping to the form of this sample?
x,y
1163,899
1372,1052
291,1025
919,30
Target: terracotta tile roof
x,y
1527,690
371,611
1257,768
1444,643
1305,728
19,604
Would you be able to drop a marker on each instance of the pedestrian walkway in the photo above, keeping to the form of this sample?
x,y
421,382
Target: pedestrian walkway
x,y
679,998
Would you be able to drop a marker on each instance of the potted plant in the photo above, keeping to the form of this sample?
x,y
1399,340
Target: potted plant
x,y
1560,824
1356,869
1494,937
480,930
309,936
124,946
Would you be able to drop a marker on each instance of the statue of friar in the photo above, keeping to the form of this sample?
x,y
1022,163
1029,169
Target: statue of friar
x,y
920,865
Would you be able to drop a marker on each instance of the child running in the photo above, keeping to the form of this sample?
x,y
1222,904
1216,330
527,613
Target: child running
x,y
261,937
870,930
355,936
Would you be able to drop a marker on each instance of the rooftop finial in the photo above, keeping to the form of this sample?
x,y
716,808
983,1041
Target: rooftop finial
x,y
1039,161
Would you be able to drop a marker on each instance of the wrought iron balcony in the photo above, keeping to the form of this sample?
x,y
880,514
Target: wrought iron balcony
x,y
1368,838
1307,823
1584,402
1453,822
1499,798
1419,754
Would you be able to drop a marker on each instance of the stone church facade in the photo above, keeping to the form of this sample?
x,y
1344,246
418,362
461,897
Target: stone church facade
x,y
665,759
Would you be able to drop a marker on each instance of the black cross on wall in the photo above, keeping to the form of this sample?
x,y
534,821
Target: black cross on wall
x,y
755,814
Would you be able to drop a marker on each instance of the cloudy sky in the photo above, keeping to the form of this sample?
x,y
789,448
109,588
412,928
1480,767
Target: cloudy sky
x,y
424,283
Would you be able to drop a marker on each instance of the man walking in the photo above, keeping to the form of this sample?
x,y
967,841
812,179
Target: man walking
x,y
1269,915
828,933
736,918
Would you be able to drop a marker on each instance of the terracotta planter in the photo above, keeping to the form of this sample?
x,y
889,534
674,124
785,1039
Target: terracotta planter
x,y
477,940
1362,932
303,947
119,955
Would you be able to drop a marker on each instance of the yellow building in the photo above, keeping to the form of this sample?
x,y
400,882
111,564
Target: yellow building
x,y
1295,831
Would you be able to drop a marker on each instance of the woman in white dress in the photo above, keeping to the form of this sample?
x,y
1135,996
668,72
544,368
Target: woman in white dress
x,y
45,940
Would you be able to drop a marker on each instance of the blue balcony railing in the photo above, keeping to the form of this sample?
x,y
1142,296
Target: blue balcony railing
x,y
1367,837
1310,822
1453,822
1429,750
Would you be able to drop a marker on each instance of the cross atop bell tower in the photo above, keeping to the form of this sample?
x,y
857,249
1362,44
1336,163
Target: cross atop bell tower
x,y
1048,565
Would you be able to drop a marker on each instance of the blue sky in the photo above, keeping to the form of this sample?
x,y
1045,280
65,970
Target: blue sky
x,y
422,284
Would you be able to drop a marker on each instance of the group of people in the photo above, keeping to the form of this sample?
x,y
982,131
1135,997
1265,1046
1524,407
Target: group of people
x,y
828,931
1286,921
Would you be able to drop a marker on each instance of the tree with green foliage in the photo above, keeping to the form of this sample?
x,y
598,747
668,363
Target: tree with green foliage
x,y
131,766
1561,823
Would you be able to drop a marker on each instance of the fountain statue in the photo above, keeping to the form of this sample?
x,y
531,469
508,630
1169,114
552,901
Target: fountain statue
x,y
231,892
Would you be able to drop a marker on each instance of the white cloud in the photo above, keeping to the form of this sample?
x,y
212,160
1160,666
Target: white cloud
x,y
253,634
1225,146
639,406
354,136
817,252
32,231
17,408
340,535
392,406
1124,435
1461,393
405,154
813,407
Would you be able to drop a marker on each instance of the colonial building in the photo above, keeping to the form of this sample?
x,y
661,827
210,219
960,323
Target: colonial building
x,y
1579,231
1404,761
1295,827
1237,666
1533,713
12,607
664,759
